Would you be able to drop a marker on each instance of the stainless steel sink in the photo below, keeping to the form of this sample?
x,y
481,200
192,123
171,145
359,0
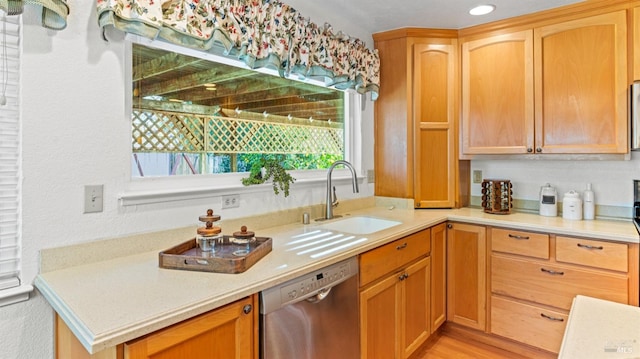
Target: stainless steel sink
x,y
359,225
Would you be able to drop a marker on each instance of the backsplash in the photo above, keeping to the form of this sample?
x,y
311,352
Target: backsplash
x,y
612,181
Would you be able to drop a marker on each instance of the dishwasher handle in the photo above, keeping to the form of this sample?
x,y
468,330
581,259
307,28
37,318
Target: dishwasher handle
x,y
322,294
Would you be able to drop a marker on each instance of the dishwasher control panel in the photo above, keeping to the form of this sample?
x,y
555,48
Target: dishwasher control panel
x,y
309,284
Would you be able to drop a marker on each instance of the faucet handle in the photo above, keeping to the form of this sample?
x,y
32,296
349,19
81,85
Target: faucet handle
x,y
334,198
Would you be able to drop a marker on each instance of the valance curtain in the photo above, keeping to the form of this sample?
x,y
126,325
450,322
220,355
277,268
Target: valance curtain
x,y
54,12
262,33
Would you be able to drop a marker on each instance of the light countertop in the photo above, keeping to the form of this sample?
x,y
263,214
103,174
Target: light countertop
x,y
601,329
109,302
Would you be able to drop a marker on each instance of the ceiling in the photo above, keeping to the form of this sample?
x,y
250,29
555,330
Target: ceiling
x,y
380,15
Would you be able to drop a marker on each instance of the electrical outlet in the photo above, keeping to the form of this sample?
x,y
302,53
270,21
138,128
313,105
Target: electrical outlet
x,y
371,176
477,176
93,198
231,201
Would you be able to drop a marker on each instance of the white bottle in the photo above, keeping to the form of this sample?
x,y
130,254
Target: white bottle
x,y
589,204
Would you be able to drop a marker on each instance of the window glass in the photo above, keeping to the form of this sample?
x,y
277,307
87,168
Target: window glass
x,y
195,116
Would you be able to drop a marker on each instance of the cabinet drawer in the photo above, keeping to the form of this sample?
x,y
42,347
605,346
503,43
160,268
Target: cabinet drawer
x,y
539,327
385,259
552,284
588,252
522,243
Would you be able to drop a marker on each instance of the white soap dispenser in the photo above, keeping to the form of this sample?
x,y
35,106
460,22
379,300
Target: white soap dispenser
x,y
589,203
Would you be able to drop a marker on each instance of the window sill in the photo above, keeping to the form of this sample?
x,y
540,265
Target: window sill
x,y
137,197
15,295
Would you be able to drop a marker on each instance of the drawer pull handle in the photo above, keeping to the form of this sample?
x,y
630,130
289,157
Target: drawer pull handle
x,y
552,272
402,246
515,236
551,318
586,246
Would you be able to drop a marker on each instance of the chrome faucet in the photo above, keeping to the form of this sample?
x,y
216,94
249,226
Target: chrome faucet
x,y
332,201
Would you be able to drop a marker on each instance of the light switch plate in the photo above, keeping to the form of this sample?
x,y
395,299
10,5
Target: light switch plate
x,y
371,176
477,176
93,197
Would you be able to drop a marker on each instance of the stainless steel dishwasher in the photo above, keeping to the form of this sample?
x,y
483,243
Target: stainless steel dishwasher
x,y
312,316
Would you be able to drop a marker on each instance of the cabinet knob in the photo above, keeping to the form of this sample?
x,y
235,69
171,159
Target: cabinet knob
x,y
247,309
449,225
529,149
538,149
403,276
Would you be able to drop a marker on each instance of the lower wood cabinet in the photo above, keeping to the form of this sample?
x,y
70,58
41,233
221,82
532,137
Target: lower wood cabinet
x,y
227,332
534,278
466,277
394,306
540,327
438,276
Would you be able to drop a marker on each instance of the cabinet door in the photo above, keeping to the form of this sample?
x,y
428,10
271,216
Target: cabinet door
x,y
497,94
636,44
393,133
434,117
438,276
228,332
581,85
466,277
415,306
380,319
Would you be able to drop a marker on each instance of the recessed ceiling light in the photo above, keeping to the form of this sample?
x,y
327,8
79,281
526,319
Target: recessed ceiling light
x,y
482,9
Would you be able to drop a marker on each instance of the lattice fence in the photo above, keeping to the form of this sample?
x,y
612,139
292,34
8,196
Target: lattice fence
x,y
161,131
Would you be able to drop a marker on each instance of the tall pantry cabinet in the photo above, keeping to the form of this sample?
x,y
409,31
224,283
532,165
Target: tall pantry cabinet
x,y
416,119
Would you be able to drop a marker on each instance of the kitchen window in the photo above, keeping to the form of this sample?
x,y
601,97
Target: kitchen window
x,y
197,117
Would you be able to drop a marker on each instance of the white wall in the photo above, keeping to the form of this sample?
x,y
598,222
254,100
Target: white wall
x,y
75,133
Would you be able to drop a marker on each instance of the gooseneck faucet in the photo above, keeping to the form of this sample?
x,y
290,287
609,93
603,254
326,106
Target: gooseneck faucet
x,y
332,201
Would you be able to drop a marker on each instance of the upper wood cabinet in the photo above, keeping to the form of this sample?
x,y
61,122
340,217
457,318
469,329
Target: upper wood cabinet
x,y
581,85
560,88
497,94
416,122
636,43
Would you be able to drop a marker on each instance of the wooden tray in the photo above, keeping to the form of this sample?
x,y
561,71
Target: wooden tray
x,y
227,258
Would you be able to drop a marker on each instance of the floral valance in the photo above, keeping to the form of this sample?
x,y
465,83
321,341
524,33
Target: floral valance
x,y
262,33
54,12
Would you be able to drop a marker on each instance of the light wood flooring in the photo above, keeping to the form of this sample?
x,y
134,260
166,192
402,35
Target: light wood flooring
x,y
448,345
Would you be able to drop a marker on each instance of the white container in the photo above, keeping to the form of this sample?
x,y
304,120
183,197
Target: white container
x,y
548,201
572,206
588,203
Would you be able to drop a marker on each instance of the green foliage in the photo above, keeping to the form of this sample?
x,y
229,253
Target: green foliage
x,y
274,169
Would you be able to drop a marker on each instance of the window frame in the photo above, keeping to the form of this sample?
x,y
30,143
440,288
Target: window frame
x,y
149,190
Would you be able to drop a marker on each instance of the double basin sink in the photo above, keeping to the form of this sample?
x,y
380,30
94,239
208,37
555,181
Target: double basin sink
x,y
336,235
